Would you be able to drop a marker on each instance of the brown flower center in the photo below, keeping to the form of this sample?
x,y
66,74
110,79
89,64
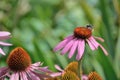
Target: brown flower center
x,y
73,66
82,32
18,59
94,76
69,75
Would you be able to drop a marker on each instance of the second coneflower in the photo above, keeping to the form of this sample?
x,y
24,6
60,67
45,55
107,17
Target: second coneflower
x,y
69,73
20,67
77,42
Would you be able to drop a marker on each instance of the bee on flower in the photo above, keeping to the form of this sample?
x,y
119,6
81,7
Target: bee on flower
x,y
77,41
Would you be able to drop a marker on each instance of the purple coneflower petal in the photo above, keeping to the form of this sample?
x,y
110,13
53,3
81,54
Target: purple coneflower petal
x,y
14,76
5,37
32,76
94,42
41,76
81,47
90,44
60,45
99,38
63,43
2,52
37,64
104,50
3,71
23,76
44,70
56,74
67,47
73,48
4,33
37,67
84,77
5,44
59,68
69,37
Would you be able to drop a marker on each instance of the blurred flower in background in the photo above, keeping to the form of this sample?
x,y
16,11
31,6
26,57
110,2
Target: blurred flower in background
x,y
77,42
4,36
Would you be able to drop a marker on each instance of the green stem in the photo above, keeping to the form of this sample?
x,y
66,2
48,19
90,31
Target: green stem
x,y
80,69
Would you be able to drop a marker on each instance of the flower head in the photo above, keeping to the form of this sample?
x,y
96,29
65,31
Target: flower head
x,y
69,73
20,67
76,42
94,76
3,36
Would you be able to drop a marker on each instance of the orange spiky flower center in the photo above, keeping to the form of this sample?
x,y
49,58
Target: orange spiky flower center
x,y
94,76
82,32
73,66
18,59
69,75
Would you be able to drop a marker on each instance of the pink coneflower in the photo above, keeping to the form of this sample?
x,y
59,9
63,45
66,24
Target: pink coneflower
x,y
77,42
3,36
20,67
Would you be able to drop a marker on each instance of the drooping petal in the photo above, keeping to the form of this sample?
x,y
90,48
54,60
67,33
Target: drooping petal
x,y
104,50
56,74
2,52
37,64
23,76
14,76
67,47
81,47
94,42
73,48
99,38
3,71
5,44
5,37
41,76
69,37
44,70
84,77
90,44
32,76
4,33
63,43
59,68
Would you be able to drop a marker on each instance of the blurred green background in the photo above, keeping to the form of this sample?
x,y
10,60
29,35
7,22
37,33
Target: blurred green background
x,y
39,25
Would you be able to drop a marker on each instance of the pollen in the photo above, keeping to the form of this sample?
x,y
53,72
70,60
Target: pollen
x,y
94,76
82,32
18,59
